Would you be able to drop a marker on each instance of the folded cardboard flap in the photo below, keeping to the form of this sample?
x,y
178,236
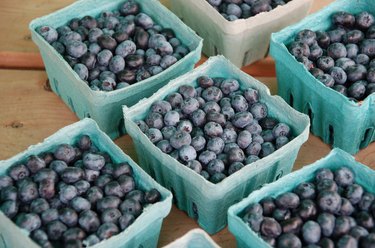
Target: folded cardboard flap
x,y
138,233
336,159
105,107
187,184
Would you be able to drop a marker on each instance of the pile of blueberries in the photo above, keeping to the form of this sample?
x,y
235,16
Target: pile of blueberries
x,y
241,9
332,211
76,196
343,57
215,129
116,49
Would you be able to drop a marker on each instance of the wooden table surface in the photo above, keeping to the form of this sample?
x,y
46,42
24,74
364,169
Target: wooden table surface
x,y
30,112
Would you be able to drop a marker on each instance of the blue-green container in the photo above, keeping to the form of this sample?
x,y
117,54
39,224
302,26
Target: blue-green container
x,y
196,238
246,237
337,120
201,199
105,107
145,230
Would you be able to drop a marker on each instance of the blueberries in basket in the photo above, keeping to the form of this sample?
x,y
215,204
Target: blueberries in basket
x,y
343,53
53,196
214,129
120,43
328,216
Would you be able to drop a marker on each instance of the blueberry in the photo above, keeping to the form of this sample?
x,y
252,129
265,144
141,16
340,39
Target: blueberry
x,y
9,193
325,63
45,173
213,129
56,203
338,75
27,192
254,149
307,209
341,89
358,232
9,208
91,240
187,153
39,236
107,230
311,232
39,205
323,39
217,177
270,228
130,206
48,33
281,214
337,50
352,50
167,61
259,7
327,80
315,52
366,201
364,20
18,172
344,177
89,221
211,106
342,18
344,63
342,226
65,152
198,118
55,230
267,149
287,200
67,193
323,174
49,215
212,94
365,220
336,35
239,103
68,216
357,90
236,155
289,240
75,48
292,225
80,204
244,139
35,163
217,117
329,201
72,174
305,190
125,48
242,119
326,184
179,139
356,72
299,49
326,243
28,221
5,181
205,157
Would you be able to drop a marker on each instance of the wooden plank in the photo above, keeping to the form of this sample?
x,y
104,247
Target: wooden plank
x,y
30,112
17,51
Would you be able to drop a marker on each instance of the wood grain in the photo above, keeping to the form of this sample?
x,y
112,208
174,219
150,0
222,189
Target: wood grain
x,y
15,16
30,112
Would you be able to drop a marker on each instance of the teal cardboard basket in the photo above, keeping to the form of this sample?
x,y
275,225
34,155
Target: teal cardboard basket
x,y
246,237
337,120
201,199
105,107
195,238
145,230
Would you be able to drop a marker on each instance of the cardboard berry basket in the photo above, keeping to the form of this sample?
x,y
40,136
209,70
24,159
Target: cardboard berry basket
x,y
105,107
201,199
242,41
145,230
337,158
337,120
196,238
